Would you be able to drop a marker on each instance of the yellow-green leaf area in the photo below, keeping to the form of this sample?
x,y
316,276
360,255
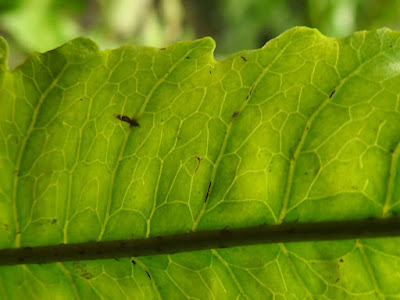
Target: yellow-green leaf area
x,y
139,142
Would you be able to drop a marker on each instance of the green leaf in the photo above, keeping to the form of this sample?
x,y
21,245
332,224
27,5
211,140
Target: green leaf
x,y
141,142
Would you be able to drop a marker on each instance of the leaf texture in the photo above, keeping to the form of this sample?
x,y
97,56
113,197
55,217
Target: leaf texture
x,y
140,142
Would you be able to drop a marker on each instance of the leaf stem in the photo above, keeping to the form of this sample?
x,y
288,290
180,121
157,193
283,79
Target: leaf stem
x,y
204,240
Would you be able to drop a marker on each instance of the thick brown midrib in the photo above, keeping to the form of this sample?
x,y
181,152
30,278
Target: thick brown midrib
x,y
204,240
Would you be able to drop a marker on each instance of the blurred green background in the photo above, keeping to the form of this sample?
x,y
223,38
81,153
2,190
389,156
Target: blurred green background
x,y
40,25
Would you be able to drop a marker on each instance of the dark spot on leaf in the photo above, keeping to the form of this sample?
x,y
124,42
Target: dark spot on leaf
x,y
132,122
54,221
187,57
148,275
244,58
251,91
337,280
331,95
226,231
305,173
81,270
134,263
163,48
341,260
235,114
5,226
199,159
80,99
210,72
208,191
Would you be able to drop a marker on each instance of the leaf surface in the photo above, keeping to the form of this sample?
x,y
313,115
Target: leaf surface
x,y
141,142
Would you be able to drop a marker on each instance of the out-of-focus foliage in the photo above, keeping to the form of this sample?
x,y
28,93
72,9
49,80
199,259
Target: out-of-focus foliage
x,y
234,24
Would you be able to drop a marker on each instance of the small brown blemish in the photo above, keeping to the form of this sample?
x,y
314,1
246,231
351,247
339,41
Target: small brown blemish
x,y
243,58
163,48
187,57
5,226
341,260
226,231
54,221
198,163
337,280
251,91
132,122
331,95
134,263
208,192
235,114
148,275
